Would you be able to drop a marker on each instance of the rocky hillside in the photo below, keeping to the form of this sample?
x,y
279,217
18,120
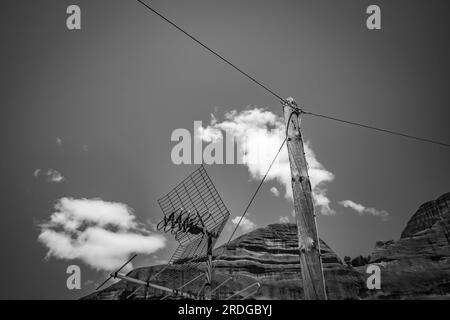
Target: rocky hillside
x,y
417,266
270,256
267,255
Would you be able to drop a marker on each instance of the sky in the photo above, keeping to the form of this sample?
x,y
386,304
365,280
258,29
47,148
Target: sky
x,y
87,118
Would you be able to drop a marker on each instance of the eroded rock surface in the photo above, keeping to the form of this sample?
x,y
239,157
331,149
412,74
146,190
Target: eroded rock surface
x,y
417,266
266,255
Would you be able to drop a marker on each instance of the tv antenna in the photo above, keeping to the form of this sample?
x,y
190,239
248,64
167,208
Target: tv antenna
x,y
195,215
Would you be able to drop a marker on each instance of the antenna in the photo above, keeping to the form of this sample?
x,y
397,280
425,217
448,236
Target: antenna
x,y
196,215
184,285
139,282
251,294
244,290
116,272
220,285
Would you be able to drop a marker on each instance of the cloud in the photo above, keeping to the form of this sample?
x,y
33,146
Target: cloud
x,y
355,206
275,191
36,173
54,176
284,219
210,134
360,209
259,134
59,142
246,225
50,175
99,233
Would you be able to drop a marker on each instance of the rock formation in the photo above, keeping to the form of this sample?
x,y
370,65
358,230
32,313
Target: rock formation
x,y
266,255
417,266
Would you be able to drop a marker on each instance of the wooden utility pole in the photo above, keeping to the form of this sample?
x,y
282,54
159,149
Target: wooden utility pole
x,y
308,239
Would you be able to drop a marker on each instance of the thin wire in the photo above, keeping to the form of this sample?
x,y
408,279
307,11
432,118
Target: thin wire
x,y
276,94
249,204
253,197
378,129
211,50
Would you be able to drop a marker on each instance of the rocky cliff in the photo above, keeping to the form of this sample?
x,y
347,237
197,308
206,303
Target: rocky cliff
x,y
270,256
417,266
266,255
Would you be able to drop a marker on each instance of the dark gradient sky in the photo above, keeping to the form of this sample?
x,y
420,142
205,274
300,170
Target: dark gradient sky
x,y
124,82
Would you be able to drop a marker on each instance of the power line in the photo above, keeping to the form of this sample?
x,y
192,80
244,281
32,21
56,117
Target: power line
x,y
282,100
211,50
377,129
279,96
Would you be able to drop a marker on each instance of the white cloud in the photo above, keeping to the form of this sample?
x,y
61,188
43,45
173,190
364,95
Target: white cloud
x,y
54,176
355,206
246,225
210,134
59,142
275,191
260,134
99,233
36,173
50,175
384,215
284,219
